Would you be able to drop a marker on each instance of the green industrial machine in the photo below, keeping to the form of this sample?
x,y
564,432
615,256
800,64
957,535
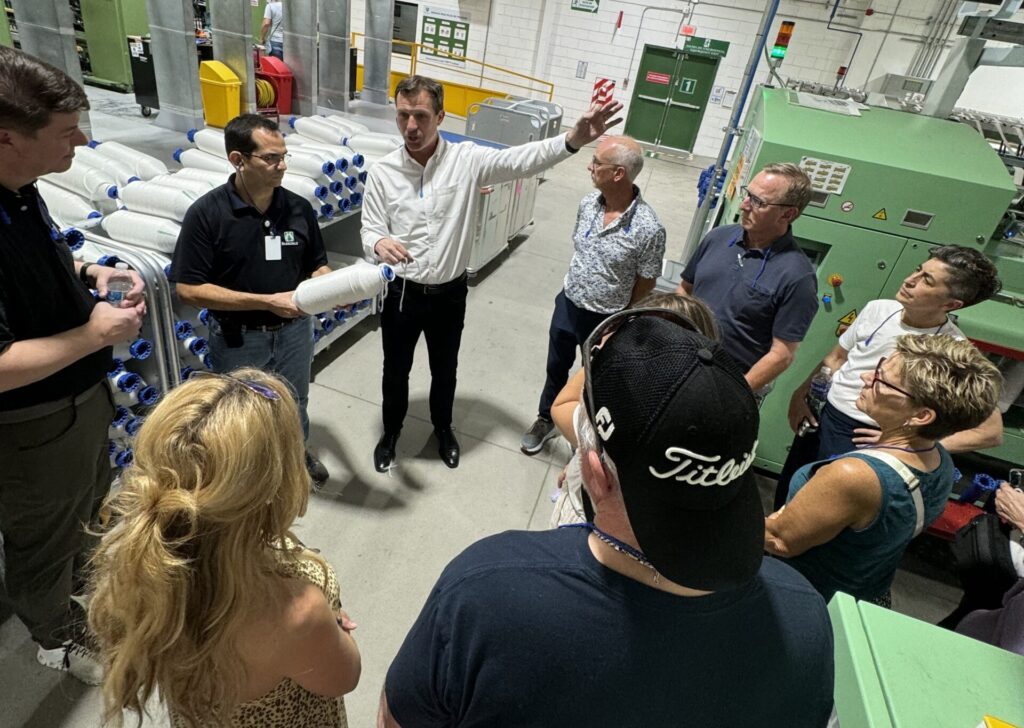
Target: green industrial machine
x,y
101,31
5,25
888,185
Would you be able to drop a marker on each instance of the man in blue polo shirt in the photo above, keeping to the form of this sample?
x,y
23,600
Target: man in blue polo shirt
x,y
759,284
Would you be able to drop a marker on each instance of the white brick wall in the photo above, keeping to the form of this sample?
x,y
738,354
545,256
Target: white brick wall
x,y
545,38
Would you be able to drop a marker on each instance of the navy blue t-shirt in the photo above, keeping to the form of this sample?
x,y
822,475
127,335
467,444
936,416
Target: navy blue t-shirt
x,y
529,629
755,294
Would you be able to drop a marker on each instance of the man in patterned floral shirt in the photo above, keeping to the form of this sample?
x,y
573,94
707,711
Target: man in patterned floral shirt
x,y
619,244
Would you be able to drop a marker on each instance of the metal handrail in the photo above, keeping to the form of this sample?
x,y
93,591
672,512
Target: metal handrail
x,y
414,52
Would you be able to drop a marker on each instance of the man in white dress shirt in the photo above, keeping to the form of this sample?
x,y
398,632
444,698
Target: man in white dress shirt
x,y
418,209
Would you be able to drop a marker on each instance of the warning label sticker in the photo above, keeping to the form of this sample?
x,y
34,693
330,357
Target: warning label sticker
x,y
845,322
662,78
881,215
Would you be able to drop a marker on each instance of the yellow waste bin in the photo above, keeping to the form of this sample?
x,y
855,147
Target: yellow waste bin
x,y
221,91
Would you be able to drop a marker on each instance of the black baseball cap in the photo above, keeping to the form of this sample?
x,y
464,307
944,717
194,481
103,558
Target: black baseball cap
x,y
675,414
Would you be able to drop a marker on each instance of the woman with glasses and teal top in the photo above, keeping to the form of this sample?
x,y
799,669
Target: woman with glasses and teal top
x,y
200,591
847,521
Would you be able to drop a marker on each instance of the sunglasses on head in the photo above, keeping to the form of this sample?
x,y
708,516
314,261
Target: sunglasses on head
x,y
260,389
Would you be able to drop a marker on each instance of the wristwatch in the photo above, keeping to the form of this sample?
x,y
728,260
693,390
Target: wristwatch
x,y
83,274
570,148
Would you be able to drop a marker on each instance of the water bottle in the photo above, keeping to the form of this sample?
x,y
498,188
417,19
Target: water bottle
x,y
817,396
119,285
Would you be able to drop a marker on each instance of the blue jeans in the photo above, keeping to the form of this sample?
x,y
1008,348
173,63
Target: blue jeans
x,y
276,49
287,352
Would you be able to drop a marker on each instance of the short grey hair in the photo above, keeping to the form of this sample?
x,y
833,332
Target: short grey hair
x,y
630,160
798,193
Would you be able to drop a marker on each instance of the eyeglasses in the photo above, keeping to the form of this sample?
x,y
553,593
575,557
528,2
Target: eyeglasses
x,y
759,204
877,379
595,162
260,389
272,160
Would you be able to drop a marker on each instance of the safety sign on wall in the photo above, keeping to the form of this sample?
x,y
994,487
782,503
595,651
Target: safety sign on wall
x,y
447,31
587,6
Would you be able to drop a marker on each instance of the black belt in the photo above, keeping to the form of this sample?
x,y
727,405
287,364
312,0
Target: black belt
x,y
227,323
430,289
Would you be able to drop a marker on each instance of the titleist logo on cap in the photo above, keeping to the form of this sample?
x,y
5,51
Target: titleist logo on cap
x,y
697,469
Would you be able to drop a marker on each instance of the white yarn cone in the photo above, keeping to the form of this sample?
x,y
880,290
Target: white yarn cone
x,y
158,199
342,287
65,206
351,126
198,187
203,160
206,176
144,166
209,140
341,156
375,144
146,231
322,208
115,168
304,187
89,183
316,127
310,164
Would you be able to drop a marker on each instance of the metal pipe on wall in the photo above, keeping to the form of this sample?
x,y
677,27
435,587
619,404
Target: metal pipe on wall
x,y
930,38
696,231
334,54
948,24
885,37
380,19
46,30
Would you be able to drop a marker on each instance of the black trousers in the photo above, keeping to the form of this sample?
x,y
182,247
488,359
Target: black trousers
x,y
54,473
439,313
570,327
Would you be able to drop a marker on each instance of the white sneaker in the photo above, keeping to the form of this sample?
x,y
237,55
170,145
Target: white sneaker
x,y
75,658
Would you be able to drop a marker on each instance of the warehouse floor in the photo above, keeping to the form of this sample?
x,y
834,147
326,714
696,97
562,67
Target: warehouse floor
x,y
389,536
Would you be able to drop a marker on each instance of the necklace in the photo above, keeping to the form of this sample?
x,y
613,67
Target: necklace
x,y
617,545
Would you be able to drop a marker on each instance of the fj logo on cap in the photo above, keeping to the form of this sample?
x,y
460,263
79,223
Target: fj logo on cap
x,y
603,423
697,469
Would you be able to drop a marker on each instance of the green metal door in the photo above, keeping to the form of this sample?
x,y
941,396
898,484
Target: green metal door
x,y
651,91
671,91
690,89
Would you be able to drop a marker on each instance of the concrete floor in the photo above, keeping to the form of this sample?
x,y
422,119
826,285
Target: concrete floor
x,y
389,536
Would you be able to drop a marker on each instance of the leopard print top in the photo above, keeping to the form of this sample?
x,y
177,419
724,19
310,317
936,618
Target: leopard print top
x,y
289,704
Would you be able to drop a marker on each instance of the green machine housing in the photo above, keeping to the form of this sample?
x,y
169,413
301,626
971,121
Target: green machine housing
x,y
888,186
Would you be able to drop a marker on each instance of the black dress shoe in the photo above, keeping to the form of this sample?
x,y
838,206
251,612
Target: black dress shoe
x,y
448,447
384,453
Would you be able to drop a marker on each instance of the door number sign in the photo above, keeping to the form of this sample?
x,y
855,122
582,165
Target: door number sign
x,y
687,86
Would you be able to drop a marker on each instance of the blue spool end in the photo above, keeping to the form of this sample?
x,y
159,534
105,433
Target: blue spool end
x,y
177,154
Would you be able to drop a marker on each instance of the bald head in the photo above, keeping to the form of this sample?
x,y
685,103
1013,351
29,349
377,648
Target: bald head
x,y
623,151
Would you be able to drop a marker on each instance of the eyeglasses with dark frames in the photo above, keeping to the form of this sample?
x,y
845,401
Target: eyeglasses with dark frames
x,y
877,379
260,389
758,203
595,162
272,160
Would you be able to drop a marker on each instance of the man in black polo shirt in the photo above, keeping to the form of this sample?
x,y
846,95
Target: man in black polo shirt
x,y
55,339
243,249
759,284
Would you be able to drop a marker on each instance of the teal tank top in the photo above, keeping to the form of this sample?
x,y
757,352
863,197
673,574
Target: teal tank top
x,y
863,563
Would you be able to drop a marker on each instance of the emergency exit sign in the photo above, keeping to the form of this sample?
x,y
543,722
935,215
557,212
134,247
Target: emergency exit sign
x,y
706,47
587,6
